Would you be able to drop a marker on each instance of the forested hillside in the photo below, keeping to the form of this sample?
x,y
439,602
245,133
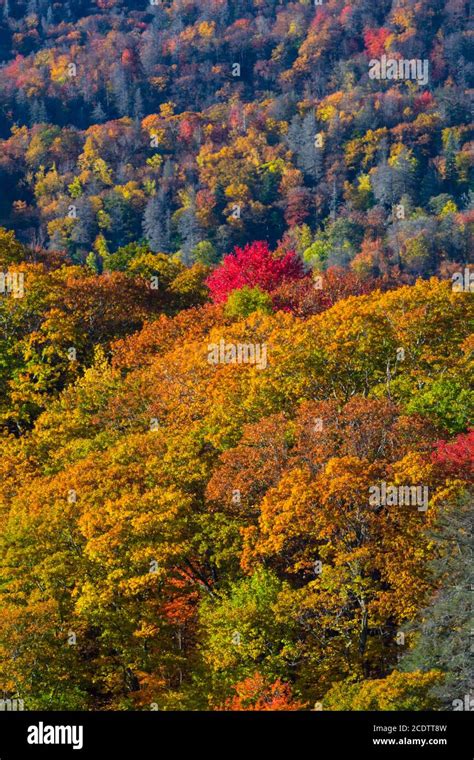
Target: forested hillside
x,y
236,336
197,126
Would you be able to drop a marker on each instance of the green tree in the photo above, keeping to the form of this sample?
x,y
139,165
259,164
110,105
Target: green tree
x,y
245,301
447,401
240,632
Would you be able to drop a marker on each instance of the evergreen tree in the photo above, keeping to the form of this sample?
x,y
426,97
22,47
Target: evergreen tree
x,y
138,107
38,113
85,226
444,631
302,141
450,171
383,184
120,90
156,223
189,230
98,114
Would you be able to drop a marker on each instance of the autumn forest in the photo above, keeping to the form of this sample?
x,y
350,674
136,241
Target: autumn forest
x,y
236,355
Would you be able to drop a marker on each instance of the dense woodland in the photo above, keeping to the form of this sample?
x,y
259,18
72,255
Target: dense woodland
x,y
186,534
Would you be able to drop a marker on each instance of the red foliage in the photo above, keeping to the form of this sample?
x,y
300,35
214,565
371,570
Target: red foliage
x,y
297,209
304,299
129,58
254,265
345,13
106,4
255,693
186,130
456,457
319,18
374,40
423,102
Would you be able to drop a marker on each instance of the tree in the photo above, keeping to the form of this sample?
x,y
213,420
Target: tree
x,y
98,114
11,251
444,628
188,229
245,301
447,400
398,691
455,458
156,225
85,225
205,253
121,90
302,136
253,265
240,633
256,693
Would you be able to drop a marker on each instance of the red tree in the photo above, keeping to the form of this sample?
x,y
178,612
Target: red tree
x,y
374,40
304,299
254,265
456,457
255,693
